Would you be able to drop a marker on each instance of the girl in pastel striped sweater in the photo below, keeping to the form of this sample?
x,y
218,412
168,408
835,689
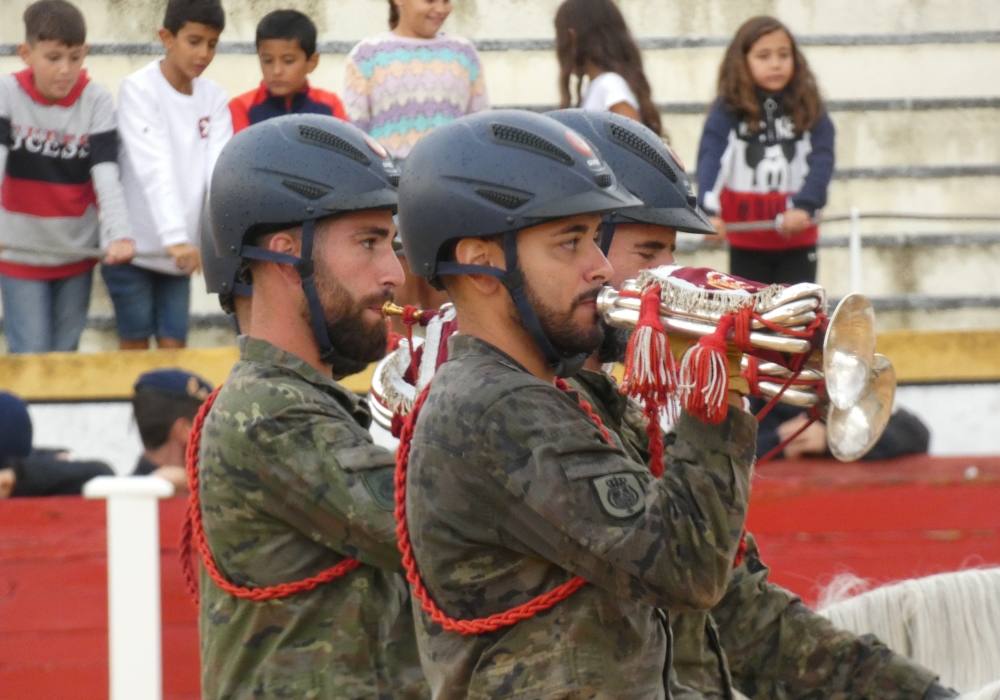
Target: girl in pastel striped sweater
x,y
403,83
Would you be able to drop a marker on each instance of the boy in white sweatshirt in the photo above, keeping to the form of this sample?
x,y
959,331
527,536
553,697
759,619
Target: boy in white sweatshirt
x,y
173,124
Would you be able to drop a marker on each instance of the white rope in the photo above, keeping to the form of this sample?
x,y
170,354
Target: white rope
x,y
948,622
990,692
73,251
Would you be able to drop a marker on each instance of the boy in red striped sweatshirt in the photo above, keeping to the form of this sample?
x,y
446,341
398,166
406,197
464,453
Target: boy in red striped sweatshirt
x,y
58,162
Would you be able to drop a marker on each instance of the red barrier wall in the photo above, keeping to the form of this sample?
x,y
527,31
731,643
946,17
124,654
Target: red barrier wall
x,y
883,521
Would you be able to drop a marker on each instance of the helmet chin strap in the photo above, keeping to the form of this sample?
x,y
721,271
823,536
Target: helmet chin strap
x,y
513,280
607,232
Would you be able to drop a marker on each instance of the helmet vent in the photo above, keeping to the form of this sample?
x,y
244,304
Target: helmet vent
x,y
305,189
325,139
638,145
504,199
532,142
393,180
603,180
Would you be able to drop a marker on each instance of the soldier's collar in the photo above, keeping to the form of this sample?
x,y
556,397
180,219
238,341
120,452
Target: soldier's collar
x,y
259,350
461,345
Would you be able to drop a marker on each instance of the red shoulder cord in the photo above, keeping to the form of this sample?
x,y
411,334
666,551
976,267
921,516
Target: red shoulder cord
x,y
194,532
496,621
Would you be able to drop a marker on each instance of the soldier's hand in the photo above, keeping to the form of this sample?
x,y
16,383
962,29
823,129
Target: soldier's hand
x,y
186,257
738,385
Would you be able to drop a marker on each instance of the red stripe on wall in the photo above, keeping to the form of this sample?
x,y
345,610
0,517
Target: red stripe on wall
x,y
46,199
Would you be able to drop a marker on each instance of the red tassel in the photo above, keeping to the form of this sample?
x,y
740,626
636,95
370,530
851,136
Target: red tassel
x,y
704,375
650,372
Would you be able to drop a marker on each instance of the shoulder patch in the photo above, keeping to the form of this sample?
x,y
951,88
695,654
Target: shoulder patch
x,y
620,494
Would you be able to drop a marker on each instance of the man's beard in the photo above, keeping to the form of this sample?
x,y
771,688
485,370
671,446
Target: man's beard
x,y
614,344
566,337
355,343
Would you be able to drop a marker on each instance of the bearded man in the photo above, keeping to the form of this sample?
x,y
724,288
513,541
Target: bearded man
x,y
543,556
301,594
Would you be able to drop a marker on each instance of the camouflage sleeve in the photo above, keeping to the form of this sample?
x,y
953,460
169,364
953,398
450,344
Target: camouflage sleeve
x,y
587,507
326,480
779,648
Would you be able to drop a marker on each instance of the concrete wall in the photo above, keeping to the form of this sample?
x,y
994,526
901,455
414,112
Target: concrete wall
x,y
911,85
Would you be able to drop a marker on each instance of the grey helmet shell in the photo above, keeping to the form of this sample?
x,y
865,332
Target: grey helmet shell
x,y
292,169
497,172
645,166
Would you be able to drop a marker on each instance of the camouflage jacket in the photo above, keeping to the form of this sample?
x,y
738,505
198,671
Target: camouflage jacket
x,y
760,638
290,485
512,490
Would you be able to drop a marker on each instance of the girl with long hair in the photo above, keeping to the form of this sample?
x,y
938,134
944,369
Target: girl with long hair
x,y
403,83
593,42
766,153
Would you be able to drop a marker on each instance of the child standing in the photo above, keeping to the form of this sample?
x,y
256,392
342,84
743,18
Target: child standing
x,y
402,84
173,124
593,41
58,161
767,150
286,48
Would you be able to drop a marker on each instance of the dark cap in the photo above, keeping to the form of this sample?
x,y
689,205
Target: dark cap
x,y
175,382
15,428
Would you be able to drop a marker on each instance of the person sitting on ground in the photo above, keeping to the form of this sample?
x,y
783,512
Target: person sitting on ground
x,y
286,48
905,434
165,403
30,471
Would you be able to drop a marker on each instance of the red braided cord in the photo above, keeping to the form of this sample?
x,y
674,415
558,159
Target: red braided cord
x,y
807,333
494,622
194,530
654,437
742,325
797,364
741,550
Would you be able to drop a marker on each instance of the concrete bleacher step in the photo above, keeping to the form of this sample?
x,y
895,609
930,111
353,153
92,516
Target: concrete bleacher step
x,y
883,138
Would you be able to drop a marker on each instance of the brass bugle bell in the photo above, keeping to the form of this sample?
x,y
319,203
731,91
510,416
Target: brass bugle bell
x,y
853,386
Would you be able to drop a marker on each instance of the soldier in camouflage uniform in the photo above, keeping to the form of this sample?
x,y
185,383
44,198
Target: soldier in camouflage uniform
x,y
760,638
512,489
290,483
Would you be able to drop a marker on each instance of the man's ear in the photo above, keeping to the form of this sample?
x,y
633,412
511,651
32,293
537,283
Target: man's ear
x,y
481,252
287,242
312,62
24,51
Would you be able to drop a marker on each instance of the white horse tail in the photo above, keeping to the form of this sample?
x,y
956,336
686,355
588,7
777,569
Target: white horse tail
x,y
949,623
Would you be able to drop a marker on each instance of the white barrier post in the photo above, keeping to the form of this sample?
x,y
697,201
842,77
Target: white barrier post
x,y
854,243
135,661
